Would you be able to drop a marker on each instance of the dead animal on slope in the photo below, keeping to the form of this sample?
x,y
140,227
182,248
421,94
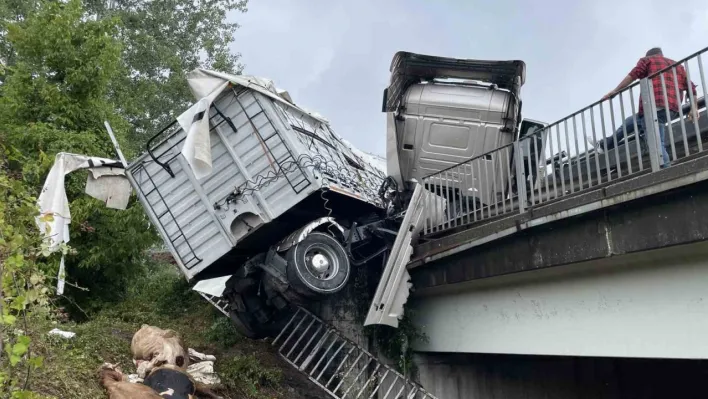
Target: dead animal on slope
x,y
118,388
153,347
163,382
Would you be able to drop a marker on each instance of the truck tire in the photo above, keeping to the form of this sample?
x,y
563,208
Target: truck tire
x,y
246,324
249,326
318,265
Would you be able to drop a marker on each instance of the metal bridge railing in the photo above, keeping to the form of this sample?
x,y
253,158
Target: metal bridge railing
x,y
601,143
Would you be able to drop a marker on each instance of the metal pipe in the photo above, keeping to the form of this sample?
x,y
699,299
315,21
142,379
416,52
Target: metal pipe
x,y
301,337
637,135
594,140
553,166
487,188
476,190
682,121
614,138
626,136
604,135
560,160
703,85
447,199
529,173
587,150
689,88
505,187
495,159
577,153
334,355
570,164
520,184
292,319
467,186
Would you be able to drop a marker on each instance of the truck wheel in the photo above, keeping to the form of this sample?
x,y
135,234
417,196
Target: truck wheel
x,y
248,324
318,265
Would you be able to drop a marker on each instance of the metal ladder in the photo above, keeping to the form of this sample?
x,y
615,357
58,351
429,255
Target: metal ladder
x,y
287,165
221,304
340,367
166,217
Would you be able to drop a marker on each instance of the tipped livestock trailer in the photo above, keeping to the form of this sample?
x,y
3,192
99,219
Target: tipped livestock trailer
x,y
259,200
264,206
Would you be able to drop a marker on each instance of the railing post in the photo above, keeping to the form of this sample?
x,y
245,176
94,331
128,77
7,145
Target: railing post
x,y
520,177
651,124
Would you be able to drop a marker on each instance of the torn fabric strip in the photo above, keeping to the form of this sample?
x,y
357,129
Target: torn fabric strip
x,y
53,201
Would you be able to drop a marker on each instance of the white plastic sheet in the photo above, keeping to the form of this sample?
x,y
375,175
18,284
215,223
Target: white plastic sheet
x,y
213,286
206,86
103,184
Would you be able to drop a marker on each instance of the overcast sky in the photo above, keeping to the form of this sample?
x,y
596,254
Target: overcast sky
x,y
333,56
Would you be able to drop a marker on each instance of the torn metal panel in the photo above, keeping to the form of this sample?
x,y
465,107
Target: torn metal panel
x,y
394,285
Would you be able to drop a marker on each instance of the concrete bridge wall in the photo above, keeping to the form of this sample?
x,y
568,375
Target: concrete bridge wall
x,y
650,304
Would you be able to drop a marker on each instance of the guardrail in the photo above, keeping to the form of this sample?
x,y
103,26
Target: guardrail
x,y
603,142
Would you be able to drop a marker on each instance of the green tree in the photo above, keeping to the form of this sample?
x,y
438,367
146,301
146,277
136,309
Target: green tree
x,y
69,65
54,98
22,280
163,41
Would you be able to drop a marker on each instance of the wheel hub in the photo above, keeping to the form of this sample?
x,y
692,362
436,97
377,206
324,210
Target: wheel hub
x,y
320,263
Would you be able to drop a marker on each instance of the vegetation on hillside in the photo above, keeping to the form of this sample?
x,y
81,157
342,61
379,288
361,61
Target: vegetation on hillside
x,y
65,67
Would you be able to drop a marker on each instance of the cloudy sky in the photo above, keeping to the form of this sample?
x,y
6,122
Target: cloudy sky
x,y
333,56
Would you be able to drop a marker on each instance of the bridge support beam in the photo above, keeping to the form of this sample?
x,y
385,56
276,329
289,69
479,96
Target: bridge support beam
x,y
649,304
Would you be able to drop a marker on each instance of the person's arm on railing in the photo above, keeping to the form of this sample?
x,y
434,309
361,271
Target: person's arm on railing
x,y
640,71
624,83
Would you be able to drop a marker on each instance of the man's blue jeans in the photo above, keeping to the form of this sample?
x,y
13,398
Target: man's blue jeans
x,y
609,142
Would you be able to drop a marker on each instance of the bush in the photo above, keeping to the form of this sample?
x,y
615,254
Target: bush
x,y
248,375
223,334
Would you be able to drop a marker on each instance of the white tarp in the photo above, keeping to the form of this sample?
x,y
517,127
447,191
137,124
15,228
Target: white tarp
x,y
110,186
206,86
106,182
202,368
213,286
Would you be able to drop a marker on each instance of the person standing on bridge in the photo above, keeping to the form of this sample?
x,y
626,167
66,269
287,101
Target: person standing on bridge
x,y
653,62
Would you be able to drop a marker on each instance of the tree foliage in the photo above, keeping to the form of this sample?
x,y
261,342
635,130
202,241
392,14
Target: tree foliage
x,y
68,65
65,67
164,40
55,98
22,281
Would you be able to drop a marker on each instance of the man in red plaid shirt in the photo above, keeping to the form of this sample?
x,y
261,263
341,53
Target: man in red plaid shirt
x,y
647,66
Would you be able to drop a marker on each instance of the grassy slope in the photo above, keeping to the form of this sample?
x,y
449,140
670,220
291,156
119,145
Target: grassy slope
x,y
248,369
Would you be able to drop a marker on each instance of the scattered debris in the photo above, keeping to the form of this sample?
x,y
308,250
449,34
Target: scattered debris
x,y
106,182
204,372
61,333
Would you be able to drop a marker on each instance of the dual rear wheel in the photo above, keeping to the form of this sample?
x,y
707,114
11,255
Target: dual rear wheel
x,y
316,267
